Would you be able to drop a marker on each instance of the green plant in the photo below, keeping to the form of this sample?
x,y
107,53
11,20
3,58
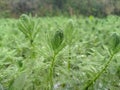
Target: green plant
x,y
114,48
81,54
56,42
69,37
29,27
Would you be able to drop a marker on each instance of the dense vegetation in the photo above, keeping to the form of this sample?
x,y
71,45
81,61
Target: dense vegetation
x,y
99,8
60,53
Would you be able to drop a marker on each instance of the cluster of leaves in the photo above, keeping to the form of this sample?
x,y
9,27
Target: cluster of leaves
x,y
70,54
29,27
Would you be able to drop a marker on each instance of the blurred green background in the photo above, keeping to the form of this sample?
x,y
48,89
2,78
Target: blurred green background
x,y
98,8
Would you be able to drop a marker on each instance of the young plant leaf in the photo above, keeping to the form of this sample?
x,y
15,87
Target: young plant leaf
x,y
57,39
114,43
29,27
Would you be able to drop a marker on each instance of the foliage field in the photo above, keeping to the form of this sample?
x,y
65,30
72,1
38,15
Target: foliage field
x,y
34,61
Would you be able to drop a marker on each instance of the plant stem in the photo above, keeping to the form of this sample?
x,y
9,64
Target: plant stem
x,y
52,72
99,74
32,49
69,58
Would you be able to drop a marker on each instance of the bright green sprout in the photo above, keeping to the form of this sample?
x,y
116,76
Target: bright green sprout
x,y
57,39
29,27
